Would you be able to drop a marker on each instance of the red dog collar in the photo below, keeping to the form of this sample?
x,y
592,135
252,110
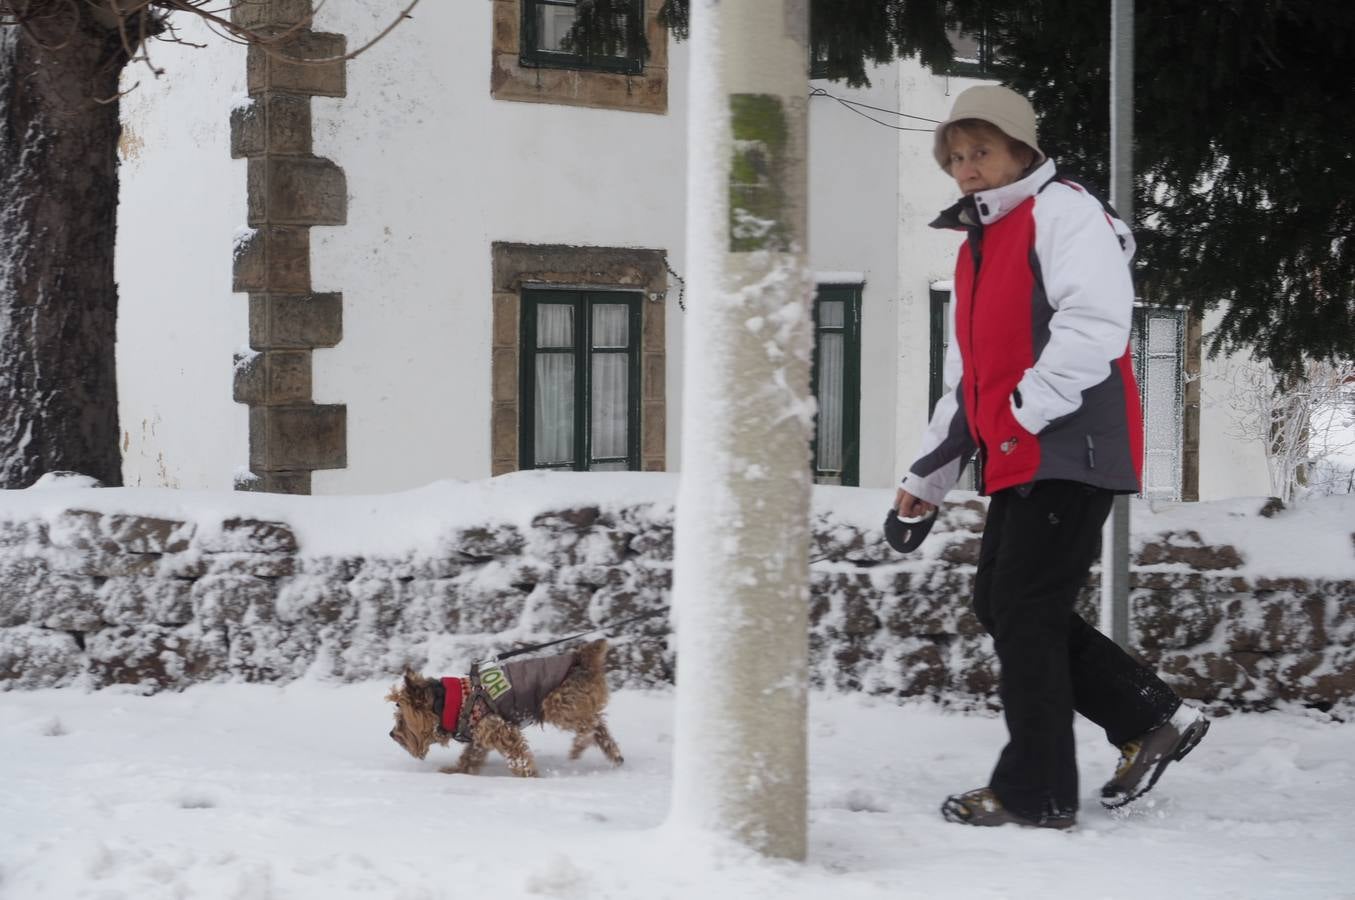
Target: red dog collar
x,y
451,704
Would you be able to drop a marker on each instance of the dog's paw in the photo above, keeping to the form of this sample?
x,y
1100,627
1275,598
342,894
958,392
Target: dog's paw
x,y
453,770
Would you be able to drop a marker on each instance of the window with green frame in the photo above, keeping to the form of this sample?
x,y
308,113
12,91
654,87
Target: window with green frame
x,y
836,384
546,37
580,380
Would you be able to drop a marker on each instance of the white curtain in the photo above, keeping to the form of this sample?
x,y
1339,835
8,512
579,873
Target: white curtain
x,y
554,385
1160,383
830,353
610,386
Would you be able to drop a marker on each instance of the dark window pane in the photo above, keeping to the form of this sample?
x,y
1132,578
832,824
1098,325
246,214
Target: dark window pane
x,y
967,48
553,22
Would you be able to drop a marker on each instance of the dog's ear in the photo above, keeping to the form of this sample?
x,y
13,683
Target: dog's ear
x,y
420,691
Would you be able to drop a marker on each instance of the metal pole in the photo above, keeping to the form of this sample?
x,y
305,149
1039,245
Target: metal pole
x,y
1115,539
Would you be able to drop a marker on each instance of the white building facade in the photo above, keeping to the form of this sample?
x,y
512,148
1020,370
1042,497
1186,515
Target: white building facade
x,y
461,253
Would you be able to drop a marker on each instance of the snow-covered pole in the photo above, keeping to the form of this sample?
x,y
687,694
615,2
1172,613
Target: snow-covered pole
x,y
741,569
1115,539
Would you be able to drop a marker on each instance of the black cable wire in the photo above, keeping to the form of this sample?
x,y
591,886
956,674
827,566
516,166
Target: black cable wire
x,y
820,92
886,124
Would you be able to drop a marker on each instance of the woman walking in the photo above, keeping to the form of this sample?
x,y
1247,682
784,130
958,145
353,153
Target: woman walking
x,y
1039,381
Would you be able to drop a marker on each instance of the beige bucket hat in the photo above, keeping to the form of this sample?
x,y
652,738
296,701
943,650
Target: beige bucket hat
x,y
1001,107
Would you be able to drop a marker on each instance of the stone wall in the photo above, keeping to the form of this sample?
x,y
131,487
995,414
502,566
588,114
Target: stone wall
x,y
98,598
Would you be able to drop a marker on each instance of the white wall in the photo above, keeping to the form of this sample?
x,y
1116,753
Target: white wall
x,y
437,170
1229,466
182,199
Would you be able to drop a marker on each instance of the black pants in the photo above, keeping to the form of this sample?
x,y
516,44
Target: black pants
x,y
1038,548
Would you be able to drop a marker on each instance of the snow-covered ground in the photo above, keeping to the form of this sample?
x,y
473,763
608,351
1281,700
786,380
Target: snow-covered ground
x,y
254,792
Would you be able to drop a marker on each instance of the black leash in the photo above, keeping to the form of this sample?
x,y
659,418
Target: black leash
x,y
532,647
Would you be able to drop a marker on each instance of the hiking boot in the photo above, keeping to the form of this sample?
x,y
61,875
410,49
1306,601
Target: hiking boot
x,y
1142,760
981,807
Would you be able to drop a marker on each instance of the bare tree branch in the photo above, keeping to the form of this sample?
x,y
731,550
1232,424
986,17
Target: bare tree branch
x,y
136,21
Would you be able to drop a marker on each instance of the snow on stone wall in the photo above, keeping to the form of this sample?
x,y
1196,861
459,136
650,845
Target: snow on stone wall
x,y
119,587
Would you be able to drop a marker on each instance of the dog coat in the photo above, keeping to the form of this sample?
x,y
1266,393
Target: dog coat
x,y
513,691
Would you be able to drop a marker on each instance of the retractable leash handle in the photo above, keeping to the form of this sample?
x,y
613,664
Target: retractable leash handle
x,y
907,534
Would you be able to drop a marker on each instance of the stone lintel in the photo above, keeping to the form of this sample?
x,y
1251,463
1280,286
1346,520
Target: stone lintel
x,y
519,264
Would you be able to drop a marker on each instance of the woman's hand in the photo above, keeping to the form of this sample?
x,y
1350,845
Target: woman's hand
x,y
909,507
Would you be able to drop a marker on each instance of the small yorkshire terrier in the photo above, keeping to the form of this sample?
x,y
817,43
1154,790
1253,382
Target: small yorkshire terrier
x,y
484,710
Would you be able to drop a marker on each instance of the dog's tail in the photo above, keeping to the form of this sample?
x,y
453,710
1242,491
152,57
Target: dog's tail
x,y
593,655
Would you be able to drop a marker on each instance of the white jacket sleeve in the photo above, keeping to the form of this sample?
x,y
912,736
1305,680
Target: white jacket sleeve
x,y
1088,286
946,444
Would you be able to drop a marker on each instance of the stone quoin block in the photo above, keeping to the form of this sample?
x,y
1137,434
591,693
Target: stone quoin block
x,y
504,428
283,438
272,123
296,190
504,373
297,482
273,258
506,310
653,377
273,378
270,14
295,321
294,66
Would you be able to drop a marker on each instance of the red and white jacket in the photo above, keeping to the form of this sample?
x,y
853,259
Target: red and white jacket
x,y
1039,375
